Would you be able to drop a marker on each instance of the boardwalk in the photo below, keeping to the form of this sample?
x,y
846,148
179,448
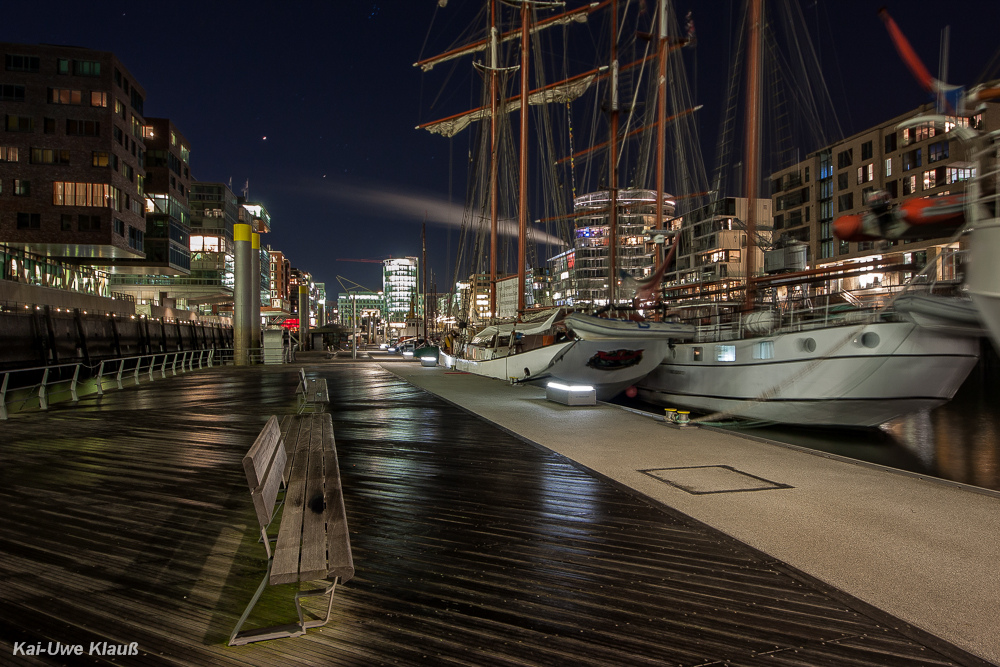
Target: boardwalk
x,y
126,519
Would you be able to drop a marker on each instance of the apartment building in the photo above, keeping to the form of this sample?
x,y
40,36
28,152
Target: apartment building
x,y
72,154
921,160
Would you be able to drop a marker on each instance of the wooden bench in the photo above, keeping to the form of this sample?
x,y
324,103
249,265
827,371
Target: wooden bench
x,y
312,542
312,393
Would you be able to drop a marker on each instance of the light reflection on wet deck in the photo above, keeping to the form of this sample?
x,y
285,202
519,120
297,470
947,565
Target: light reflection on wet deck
x,y
127,519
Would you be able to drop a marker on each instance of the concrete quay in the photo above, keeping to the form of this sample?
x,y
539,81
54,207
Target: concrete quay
x,y
924,550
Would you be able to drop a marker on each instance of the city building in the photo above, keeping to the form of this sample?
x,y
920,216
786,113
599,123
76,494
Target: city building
x,y
279,305
360,309
166,188
710,258
922,160
507,294
634,256
399,287
257,216
72,154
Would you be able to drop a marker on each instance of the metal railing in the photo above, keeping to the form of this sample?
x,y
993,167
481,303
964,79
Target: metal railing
x,y
43,382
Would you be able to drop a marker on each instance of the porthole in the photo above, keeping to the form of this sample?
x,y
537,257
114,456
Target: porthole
x,y
870,339
808,344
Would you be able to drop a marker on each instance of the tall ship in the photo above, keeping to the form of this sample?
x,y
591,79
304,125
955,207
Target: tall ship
x,y
562,344
763,354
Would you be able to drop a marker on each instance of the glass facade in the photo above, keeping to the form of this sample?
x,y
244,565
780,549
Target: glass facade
x,y
399,285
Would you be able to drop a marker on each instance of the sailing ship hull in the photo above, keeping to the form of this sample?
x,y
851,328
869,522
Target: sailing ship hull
x,y
610,366
599,328
861,375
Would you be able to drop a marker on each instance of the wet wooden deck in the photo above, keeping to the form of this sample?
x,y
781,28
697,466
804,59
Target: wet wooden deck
x,y
126,519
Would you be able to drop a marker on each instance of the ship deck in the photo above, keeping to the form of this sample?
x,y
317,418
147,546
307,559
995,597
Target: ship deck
x,y
489,527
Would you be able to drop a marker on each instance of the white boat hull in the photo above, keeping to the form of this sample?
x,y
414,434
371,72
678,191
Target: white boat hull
x,y
590,327
861,375
610,366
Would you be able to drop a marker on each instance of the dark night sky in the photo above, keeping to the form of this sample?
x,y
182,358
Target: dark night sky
x,y
315,103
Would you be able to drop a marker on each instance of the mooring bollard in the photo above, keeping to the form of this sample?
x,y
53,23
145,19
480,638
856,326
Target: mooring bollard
x,y
683,417
670,415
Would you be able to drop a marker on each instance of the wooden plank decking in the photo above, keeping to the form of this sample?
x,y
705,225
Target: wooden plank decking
x,y
126,519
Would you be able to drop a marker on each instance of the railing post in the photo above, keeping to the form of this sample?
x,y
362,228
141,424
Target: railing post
x,y
163,368
121,369
138,365
72,386
173,367
184,361
211,357
152,366
3,397
100,380
43,399
201,355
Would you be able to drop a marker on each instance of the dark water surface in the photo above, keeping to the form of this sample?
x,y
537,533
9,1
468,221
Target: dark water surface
x,y
958,441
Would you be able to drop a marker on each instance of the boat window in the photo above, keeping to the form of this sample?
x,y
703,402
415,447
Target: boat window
x,y
696,354
725,353
763,350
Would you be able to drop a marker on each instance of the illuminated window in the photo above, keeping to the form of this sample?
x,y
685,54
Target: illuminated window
x,y
696,354
100,159
957,174
85,194
725,353
98,99
888,166
8,154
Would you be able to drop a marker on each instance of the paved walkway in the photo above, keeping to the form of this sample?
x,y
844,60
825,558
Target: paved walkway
x,y
923,550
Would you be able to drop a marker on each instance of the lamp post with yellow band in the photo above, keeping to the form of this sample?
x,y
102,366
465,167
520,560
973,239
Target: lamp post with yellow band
x,y
304,316
256,294
242,294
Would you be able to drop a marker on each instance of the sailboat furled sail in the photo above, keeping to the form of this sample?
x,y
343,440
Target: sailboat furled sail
x,y
610,355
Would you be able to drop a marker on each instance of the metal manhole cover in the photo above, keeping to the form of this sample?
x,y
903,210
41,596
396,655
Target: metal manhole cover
x,y
713,479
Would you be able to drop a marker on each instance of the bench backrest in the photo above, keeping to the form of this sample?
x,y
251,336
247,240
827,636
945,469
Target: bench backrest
x,y
264,465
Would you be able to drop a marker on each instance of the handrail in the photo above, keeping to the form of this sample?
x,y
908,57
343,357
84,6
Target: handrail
x,y
115,369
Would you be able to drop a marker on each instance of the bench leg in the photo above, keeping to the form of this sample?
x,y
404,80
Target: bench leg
x,y
315,593
238,638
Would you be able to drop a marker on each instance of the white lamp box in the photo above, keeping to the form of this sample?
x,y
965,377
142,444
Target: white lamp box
x,y
570,394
